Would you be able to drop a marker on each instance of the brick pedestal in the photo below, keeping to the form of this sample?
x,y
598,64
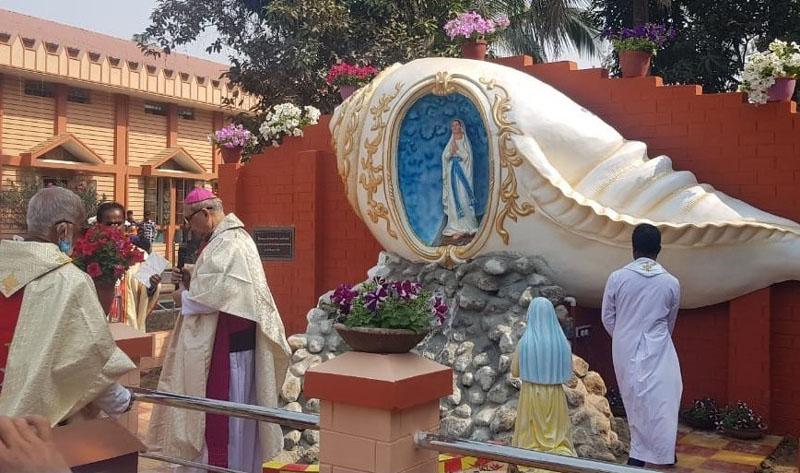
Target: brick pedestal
x,y
371,406
136,345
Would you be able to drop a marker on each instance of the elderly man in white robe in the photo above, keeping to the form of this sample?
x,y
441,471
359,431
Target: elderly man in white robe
x,y
640,307
229,344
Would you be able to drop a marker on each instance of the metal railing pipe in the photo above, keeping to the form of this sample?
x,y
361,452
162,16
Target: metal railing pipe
x,y
517,456
180,461
295,420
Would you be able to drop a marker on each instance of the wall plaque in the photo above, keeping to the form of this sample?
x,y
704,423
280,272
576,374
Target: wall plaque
x,y
274,243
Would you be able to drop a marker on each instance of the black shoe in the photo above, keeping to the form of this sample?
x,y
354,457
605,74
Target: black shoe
x,y
635,462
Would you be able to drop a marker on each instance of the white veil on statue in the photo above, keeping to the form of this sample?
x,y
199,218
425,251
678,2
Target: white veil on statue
x,y
458,191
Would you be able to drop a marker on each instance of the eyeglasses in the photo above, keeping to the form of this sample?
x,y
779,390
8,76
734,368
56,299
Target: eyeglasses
x,y
189,218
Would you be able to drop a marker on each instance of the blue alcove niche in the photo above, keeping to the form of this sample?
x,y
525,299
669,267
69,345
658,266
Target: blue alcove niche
x,y
424,133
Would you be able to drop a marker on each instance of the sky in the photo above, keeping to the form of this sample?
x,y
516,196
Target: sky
x,y
124,18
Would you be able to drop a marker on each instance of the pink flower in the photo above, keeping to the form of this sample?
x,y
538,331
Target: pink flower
x,y
119,270
93,269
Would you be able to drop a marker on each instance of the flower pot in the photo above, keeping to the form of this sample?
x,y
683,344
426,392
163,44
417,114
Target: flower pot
x,y
782,90
745,434
634,63
346,91
105,293
474,50
379,340
231,155
699,424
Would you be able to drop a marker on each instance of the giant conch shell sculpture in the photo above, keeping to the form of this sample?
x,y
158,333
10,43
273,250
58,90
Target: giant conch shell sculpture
x,y
559,183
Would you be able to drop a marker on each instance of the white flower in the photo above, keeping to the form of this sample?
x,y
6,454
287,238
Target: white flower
x,y
287,119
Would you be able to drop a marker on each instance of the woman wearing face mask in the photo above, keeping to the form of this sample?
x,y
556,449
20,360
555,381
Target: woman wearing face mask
x,y
57,355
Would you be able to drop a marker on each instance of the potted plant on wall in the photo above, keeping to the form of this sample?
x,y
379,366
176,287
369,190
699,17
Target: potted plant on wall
x,y
741,422
637,46
349,77
475,31
232,140
105,254
771,76
287,119
386,316
703,415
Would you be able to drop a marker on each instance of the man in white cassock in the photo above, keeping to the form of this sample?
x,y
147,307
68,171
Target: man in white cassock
x,y
228,344
640,307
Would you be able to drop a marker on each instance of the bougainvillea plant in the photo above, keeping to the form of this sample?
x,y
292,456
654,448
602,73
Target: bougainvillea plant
x,y
344,73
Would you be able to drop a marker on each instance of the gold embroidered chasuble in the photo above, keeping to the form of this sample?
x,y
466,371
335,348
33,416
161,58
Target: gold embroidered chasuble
x,y
228,277
62,355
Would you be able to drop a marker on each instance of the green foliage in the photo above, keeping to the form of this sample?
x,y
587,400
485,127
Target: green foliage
x,y
740,417
713,37
281,50
14,198
635,44
703,414
394,305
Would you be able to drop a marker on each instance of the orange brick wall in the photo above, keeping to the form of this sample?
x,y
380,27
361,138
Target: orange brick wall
x,y
749,152
295,185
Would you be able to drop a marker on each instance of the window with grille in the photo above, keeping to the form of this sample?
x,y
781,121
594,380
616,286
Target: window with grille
x,y
186,113
155,108
39,88
77,95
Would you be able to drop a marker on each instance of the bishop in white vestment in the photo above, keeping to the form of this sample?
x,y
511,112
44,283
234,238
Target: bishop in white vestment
x,y
640,307
228,344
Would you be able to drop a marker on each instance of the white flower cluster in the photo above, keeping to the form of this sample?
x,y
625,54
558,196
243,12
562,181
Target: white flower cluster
x,y
287,119
761,69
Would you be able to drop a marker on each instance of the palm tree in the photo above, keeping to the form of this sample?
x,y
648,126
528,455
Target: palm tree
x,y
542,27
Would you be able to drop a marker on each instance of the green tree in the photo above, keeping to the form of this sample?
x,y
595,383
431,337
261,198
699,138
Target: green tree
x,y
540,27
713,37
283,48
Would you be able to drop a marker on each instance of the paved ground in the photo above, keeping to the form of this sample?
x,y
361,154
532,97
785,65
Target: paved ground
x,y
698,452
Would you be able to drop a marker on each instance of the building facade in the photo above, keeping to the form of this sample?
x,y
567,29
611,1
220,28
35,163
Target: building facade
x,y
90,111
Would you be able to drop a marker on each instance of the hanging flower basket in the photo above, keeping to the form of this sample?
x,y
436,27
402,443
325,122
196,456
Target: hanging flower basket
x,y
231,155
474,49
380,340
635,63
782,90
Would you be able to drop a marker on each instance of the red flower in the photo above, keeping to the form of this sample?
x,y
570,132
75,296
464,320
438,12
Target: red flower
x,y
119,270
93,269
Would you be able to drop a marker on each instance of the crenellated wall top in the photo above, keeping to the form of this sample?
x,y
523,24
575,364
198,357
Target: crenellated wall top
x,y
47,50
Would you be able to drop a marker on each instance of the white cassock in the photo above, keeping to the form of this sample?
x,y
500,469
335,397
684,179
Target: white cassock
x,y
640,307
458,194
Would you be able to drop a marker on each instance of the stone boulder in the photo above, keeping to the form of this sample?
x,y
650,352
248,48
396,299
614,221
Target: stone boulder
x,y
489,297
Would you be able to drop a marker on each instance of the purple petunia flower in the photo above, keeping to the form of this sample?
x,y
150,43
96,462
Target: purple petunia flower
x,y
406,289
373,299
343,296
439,309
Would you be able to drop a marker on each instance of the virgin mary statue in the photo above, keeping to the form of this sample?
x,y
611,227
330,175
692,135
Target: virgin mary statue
x,y
458,194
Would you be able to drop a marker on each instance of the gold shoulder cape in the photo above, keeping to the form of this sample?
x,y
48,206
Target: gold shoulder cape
x,y
228,277
62,355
